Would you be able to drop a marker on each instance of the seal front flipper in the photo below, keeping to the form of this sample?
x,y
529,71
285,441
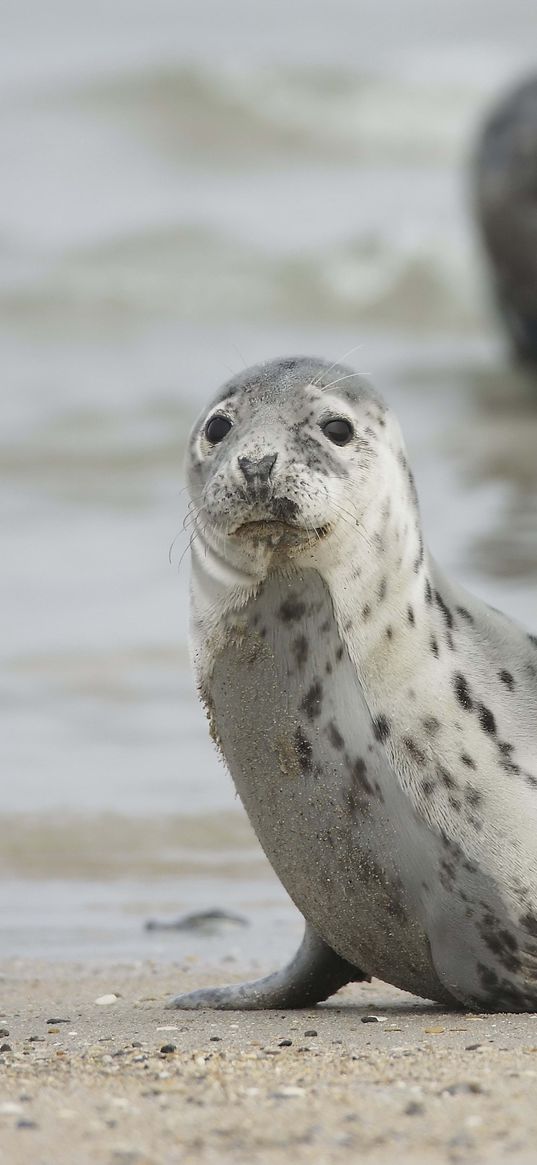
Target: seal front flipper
x,y
313,974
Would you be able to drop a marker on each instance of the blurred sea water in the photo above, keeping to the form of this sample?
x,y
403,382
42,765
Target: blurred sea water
x,y
187,188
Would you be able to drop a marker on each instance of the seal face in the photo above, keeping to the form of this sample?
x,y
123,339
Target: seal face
x,y
379,723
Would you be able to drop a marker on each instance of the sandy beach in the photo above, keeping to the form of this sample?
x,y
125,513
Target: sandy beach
x,y
124,1081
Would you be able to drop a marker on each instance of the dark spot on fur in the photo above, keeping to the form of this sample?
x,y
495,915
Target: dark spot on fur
x,y
507,763
389,633
434,645
313,700
415,752
442,606
357,794
428,592
500,942
359,773
420,555
467,760
428,787
465,614
300,650
412,484
381,728
507,679
304,751
473,796
486,719
431,725
488,977
292,609
410,615
446,778
334,735
383,586
529,922
462,691
287,363
366,611
448,873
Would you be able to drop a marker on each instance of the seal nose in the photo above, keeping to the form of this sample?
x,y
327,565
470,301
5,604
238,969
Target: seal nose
x,y
258,472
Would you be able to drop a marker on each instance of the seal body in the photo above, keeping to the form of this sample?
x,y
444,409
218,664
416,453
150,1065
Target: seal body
x,y
379,723
506,190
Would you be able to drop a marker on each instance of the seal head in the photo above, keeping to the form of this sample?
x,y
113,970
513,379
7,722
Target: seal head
x,y
289,456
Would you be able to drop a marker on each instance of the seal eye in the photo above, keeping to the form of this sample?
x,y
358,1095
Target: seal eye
x,y
217,428
338,430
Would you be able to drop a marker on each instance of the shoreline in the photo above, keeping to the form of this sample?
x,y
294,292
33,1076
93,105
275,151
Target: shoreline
x,y
420,1084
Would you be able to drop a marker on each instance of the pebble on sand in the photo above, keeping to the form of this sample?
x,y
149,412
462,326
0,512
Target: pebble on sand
x,y
106,1000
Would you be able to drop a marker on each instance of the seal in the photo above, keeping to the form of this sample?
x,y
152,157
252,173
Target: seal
x,y
380,724
506,190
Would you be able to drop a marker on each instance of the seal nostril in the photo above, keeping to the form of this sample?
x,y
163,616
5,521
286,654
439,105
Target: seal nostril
x,y
257,471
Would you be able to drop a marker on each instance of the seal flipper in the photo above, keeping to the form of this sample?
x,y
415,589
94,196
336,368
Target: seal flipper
x,y
314,973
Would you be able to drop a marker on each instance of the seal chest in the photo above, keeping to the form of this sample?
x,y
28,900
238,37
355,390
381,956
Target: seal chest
x,y
380,724
298,738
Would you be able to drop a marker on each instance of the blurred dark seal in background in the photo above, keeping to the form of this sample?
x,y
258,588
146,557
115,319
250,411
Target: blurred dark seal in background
x,y
506,188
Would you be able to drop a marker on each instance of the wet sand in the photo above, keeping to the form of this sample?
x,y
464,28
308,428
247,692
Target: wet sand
x,y
96,1085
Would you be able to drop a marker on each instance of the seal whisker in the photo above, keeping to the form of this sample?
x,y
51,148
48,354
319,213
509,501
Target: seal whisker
x,y
194,535
189,519
239,353
348,376
345,356
173,541
353,522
